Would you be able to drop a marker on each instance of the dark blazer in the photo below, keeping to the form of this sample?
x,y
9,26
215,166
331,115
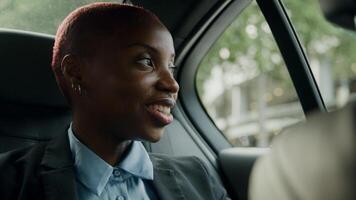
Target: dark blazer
x,y
45,171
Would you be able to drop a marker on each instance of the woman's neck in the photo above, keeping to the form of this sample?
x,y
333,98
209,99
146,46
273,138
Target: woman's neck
x,y
107,147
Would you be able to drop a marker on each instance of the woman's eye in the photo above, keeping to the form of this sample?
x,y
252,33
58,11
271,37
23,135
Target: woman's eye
x,y
172,69
146,62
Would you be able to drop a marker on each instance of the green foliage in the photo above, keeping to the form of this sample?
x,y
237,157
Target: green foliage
x,y
248,36
321,40
316,33
36,15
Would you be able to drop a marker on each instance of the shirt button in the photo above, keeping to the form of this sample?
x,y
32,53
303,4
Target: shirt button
x,y
117,173
120,198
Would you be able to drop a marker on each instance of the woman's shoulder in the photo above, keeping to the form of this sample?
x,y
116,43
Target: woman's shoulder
x,y
190,171
162,161
187,167
21,157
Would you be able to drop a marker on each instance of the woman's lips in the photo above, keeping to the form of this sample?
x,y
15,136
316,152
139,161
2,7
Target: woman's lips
x,y
160,111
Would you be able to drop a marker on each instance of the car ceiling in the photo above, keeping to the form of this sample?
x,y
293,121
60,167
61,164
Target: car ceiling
x,y
182,17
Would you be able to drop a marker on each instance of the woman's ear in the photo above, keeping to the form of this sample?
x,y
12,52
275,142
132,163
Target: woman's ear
x,y
71,67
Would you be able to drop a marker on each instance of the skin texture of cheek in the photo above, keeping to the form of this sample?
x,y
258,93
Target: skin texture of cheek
x,y
121,107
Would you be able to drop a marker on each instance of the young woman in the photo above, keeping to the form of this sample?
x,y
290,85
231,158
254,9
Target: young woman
x,y
113,63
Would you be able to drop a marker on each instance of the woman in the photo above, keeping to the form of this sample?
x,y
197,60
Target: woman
x,y
113,63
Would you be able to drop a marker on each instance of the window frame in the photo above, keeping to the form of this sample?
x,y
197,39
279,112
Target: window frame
x,y
293,55
288,44
191,56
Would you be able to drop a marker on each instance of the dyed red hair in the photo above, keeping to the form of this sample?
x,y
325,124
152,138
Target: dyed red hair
x,y
88,25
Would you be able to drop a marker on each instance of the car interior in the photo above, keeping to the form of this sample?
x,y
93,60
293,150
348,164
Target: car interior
x,y
33,110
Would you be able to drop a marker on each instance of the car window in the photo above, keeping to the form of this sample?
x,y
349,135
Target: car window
x,y
244,85
330,51
42,16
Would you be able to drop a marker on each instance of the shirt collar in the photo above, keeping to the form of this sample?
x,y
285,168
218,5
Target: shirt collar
x,y
137,162
94,172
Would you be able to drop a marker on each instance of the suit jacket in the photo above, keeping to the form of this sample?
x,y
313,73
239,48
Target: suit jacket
x,y
45,171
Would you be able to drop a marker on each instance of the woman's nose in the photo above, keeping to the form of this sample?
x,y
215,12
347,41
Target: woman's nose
x,y
167,82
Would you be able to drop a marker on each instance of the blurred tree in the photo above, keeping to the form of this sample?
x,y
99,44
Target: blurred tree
x,y
42,16
247,48
321,39
248,38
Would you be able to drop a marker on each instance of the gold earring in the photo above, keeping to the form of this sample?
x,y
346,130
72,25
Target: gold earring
x,y
79,90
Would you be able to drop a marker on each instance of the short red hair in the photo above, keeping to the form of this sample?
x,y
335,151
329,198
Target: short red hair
x,y
96,21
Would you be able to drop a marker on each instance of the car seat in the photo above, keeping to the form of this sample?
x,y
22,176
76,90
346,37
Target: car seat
x,y
32,107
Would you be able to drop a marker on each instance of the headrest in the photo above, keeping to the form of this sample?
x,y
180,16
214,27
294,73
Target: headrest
x,y
340,12
26,76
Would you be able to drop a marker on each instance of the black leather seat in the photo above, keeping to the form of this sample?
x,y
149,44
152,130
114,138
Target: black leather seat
x,y
32,109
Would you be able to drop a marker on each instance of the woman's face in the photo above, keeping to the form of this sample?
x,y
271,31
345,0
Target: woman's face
x,y
130,88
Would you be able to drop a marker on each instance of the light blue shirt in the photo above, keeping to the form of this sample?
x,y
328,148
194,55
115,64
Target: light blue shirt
x,y
96,179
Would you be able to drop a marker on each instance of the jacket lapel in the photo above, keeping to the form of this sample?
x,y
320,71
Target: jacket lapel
x,y
57,171
166,183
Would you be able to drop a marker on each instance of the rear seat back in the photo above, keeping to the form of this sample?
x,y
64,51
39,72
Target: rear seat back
x,y
32,108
